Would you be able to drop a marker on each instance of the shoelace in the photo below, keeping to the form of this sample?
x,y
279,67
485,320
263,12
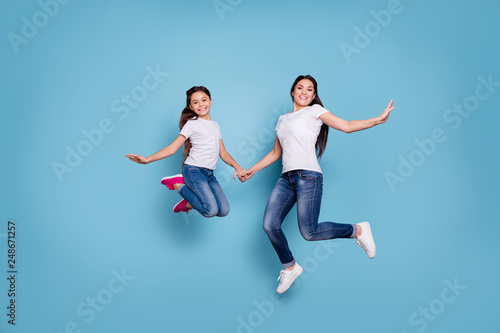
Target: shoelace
x,y
361,243
282,274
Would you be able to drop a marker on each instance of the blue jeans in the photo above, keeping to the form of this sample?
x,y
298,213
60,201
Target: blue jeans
x,y
306,188
203,192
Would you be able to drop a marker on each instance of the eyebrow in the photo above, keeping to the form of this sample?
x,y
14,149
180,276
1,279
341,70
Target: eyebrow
x,y
300,85
194,100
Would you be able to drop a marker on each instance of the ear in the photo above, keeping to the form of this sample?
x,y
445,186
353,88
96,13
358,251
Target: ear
x,y
210,102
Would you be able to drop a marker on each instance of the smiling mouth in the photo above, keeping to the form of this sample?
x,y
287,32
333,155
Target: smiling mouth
x,y
303,97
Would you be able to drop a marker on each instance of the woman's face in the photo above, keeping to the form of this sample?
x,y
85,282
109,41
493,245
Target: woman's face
x,y
200,103
303,94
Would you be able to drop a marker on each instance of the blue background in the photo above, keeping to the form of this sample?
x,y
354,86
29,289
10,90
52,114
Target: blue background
x,y
191,274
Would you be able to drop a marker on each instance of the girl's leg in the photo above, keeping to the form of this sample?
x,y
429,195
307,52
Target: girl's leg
x,y
280,202
309,187
197,191
220,197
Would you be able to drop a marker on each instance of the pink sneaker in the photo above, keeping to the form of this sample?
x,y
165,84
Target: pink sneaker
x,y
181,206
170,181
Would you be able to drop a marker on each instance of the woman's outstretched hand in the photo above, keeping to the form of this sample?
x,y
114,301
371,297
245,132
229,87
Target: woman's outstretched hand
x,y
385,115
138,158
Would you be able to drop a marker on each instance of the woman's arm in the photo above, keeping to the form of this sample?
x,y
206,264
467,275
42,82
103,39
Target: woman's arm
x,y
355,125
269,159
165,152
229,160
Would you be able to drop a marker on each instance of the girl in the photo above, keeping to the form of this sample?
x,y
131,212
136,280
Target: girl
x,y
202,147
299,136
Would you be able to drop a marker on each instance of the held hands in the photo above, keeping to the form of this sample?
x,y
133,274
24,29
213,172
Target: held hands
x,y
243,175
385,115
238,173
246,175
138,158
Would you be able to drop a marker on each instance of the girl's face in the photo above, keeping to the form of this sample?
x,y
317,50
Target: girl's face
x,y
303,94
200,103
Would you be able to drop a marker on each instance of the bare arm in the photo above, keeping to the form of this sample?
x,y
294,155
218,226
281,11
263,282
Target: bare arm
x,y
269,159
229,160
165,152
355,125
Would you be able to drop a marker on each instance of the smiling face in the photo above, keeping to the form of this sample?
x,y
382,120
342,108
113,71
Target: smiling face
x,y
303,93
200,104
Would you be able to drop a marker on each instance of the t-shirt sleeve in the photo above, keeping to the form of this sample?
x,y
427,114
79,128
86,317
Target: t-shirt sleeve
x,y
218,129
278,124
317,110
187,129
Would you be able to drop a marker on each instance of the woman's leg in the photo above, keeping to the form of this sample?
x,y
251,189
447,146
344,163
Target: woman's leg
x,y
309,187
220,197
197,191
280,202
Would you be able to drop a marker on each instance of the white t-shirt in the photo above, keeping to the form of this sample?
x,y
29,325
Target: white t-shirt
x,y
298,133
205,136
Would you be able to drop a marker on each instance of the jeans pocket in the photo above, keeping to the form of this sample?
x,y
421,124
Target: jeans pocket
x,y
307,174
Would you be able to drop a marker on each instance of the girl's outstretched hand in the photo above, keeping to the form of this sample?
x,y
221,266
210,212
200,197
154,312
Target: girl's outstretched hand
x,y
385,115
137,158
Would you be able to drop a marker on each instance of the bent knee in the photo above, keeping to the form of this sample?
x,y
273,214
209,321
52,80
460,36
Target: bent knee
x,y
308,236
269,227
209,212
223,212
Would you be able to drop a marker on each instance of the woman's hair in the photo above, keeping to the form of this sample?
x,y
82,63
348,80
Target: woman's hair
x,y
188,114
323,134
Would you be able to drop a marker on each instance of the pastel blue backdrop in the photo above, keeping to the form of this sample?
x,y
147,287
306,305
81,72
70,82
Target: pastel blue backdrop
x,y
98,246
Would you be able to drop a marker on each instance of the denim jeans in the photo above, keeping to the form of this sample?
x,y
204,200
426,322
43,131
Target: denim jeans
x,y
203,192
306,188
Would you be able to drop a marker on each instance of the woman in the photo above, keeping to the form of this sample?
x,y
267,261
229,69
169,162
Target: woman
x,y
301,138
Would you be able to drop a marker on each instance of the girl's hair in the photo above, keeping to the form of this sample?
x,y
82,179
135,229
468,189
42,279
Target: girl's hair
x,y
188,114
323,134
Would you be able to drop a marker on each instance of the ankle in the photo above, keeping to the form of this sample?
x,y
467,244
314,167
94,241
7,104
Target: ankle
x,y
291,268
176,186
359,230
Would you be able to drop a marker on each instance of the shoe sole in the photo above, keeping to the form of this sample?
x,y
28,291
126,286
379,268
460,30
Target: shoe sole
x,y
301,270
369,229
164,179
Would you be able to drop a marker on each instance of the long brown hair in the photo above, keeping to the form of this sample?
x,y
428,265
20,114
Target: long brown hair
x,y
188,114
323,133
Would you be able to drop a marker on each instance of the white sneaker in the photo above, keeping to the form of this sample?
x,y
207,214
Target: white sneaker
x,y
365,240
286,278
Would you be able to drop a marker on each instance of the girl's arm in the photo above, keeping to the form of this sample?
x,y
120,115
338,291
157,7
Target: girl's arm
x,y
229,160
165,152
269,159
355,125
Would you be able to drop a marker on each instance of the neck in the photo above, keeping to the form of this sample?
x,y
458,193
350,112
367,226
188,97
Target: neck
x,y
297,107
205,117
